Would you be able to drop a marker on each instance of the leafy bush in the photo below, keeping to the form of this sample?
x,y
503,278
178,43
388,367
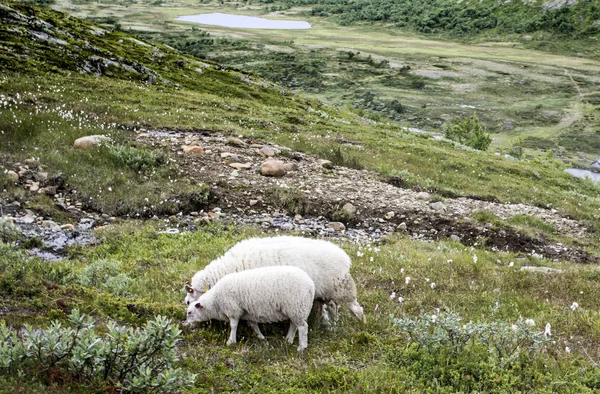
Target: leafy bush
x,y
105,274
129,359
504,341
135,158
470,132
9,233
473,357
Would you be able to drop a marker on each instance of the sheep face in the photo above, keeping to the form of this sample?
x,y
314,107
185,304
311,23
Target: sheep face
x,y
196,312
191,295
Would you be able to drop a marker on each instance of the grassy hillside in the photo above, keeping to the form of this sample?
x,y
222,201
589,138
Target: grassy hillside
x,y
64,78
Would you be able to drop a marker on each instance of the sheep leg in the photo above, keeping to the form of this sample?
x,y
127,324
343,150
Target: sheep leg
x,y
332,309
291,333
233,323
255,328
302,335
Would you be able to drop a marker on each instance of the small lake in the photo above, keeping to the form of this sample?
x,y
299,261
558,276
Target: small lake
x,y
245,22
579,173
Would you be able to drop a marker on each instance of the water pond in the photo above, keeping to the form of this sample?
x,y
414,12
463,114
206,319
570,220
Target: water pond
x,y
579,173
241,21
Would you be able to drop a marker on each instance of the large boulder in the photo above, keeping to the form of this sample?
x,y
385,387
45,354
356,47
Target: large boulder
x,y
273,168
90,141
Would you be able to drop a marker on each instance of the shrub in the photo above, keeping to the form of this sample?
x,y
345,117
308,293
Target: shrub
x,y
105,274
129,359
9,233
134,158
470,132
504,341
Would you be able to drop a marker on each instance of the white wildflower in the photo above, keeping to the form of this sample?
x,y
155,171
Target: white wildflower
x,y
514,327
427,280
511,263
401,270
400,300
547,332
475,258
433,285
574,306
449,261
359,254
407,280
393,295
530,322
371,259
433,318
567,349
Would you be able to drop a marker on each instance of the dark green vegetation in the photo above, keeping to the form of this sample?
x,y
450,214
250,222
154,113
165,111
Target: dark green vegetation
x,y
426,16
49,97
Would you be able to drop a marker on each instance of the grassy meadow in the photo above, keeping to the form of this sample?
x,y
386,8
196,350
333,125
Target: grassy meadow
x,y
138,271
540,100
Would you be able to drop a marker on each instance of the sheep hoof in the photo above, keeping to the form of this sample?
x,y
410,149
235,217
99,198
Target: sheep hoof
x,y
301,349
261,336
230,342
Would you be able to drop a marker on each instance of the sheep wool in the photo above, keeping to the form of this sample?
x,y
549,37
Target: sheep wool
x,y
324,262
259,295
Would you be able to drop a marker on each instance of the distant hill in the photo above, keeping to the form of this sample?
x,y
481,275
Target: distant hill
x,y
572,17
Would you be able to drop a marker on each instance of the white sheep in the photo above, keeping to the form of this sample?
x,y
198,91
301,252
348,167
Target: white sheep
x,y
259,295
324,262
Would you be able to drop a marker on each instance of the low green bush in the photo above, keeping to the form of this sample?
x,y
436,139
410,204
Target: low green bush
x,y
470,132
131,360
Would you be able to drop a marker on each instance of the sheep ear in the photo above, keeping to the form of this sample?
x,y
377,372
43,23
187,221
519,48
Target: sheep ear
x,y
189,289
198,305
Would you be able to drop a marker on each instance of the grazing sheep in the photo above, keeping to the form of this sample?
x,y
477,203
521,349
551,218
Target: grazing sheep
x,y
259,295
324,262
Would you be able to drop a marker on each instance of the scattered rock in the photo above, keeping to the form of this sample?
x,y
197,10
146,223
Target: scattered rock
x,y
349,209
337,226
266,151
50,224
35,186
194,149
291,167
234,141
402,226
253,202
437,206
423,196
49,190
273,168
544,270
241,166
13,176
325,163
232,158
455,238
390,215
67,227
90,141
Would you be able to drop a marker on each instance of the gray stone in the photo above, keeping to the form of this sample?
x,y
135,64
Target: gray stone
x,y
337,226
90,141
349,209
241,166
402,226
437,206
423,196
13,176
291,166
274,168
325,163
234,141
266,151
455,238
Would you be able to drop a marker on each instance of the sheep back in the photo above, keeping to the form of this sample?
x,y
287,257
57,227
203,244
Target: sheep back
x,y
263,295
324,262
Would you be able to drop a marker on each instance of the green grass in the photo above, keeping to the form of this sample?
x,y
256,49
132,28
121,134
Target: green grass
x,y
353,357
